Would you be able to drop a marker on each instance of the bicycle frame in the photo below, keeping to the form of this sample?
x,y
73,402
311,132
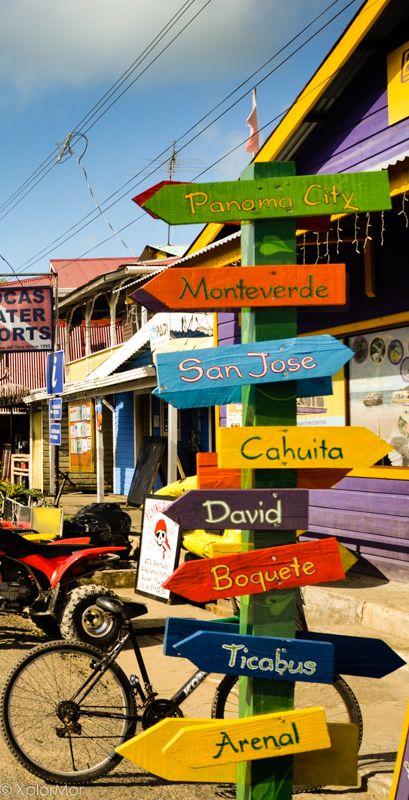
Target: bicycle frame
x,y
145,692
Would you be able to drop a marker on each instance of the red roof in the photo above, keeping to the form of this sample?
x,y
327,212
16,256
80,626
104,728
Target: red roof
x,y
73,273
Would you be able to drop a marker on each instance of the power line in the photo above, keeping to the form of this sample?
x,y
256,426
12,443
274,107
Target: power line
x,y
68,234
50,162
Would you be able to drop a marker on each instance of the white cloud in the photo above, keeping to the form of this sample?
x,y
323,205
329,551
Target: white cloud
x,y
45,43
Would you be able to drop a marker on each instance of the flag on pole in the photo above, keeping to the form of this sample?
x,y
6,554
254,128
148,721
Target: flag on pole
x,y
252,145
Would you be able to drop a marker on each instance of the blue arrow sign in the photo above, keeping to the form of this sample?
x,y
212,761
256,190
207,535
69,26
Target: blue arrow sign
x,y
215,376
353,655
260,656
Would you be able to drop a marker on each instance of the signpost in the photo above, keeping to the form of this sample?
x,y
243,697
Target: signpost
x,y
237,574
282,196
267,451
55,407
55,433
193,375
222,288
269,509
276,447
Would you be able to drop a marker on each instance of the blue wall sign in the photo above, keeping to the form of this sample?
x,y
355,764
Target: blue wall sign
x,y
55,433
55,372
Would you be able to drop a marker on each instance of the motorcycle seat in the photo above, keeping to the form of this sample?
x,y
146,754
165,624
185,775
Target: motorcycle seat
x,y
125,610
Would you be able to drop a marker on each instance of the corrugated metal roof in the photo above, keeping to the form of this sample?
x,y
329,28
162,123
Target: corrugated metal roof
x,y
73,273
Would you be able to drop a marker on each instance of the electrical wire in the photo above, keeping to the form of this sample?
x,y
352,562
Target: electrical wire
x,y
60,240
50,162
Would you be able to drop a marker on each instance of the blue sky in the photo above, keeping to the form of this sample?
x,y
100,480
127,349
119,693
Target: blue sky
x,y
58,59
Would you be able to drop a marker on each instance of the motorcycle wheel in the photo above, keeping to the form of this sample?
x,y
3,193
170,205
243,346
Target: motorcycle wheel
x,y
82,619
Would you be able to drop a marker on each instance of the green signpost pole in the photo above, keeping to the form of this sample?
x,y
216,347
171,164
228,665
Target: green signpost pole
x,y
271,613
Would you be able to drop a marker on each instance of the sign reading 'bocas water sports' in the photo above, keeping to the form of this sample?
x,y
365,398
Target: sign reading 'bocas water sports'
x,y
276,447
221,288
283,567
199,374
281,197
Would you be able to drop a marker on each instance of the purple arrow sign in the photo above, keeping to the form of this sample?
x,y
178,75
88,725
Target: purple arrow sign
x,y
260,509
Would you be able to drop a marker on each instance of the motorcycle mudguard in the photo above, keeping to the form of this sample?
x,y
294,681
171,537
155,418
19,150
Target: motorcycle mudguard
x,y
55,568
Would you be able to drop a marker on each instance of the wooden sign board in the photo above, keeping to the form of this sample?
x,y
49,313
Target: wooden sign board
x,y
259,362
276,447
400,781
230,741
264,509
232,393
282,197
265,657
224,288
353,655
283,567
147,468
335,766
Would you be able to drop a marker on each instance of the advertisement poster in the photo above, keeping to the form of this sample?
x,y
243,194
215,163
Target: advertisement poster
x,y
159,548
326,410
26,318
379,388
81,436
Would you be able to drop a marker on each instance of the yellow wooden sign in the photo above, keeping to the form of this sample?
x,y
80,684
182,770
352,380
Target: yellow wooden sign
x,y
264,736
398,84
276,447
400,781
335,766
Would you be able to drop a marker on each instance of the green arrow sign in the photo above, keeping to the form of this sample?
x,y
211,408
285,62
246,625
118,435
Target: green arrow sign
x,y
286,196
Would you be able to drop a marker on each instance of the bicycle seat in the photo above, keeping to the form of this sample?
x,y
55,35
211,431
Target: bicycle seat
x,y
125,610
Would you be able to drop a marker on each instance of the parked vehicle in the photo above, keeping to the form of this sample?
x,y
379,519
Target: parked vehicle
x,y
42,580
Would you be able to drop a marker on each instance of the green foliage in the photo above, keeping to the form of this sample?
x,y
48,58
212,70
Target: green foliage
x,y
18,492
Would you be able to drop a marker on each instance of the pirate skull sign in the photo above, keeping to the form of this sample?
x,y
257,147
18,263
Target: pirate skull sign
x,y
161,536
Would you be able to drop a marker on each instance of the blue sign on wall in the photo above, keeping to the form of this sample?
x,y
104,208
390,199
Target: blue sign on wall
x,y
55,408
55,372
55,433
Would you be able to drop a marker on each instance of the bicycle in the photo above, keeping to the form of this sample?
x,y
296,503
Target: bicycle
x,y
76,703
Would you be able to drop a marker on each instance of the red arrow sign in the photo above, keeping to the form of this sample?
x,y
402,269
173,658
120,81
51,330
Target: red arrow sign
x,y
258,571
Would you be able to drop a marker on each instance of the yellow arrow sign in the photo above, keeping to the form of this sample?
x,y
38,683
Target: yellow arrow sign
x,y
264,736
335,766
277,447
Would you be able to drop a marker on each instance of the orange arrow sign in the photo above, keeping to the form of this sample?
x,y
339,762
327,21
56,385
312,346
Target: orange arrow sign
x,y
218,288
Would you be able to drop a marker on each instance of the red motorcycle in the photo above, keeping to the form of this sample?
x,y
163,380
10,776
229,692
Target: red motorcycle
x,y
42,580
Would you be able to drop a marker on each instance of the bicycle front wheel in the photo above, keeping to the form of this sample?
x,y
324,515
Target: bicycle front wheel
x,y
58,730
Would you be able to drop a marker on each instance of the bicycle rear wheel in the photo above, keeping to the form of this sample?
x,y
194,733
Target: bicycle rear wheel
x,y
53,735
337,699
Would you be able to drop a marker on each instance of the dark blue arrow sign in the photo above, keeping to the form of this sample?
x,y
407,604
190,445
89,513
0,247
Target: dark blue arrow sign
x,y
353,655
260,656
196,378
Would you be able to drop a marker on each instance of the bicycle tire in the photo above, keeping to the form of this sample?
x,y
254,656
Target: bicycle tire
x,y
343,705
60,750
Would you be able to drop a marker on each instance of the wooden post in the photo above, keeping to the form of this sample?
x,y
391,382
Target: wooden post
x,y
268,242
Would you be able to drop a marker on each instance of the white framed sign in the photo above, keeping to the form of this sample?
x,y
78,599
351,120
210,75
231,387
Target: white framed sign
x,y
159,548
